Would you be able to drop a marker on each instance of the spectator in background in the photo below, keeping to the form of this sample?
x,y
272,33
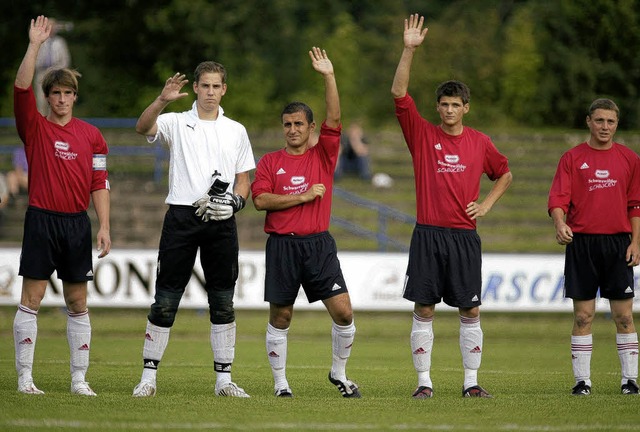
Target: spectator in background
x,y
54,54
18,178
354,153
445,257
594,202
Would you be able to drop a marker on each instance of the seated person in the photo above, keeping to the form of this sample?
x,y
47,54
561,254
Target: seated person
x,y
354,153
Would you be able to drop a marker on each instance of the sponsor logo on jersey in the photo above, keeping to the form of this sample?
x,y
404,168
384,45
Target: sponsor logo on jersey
x,y
438,146
584,166
281,171
451,164
62,151
61,145
297,180
452,159
602,180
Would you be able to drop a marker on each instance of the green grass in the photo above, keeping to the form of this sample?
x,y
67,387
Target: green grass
x,y
526,365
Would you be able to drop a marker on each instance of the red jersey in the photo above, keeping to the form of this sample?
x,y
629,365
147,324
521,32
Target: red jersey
x,y
599,190
66,163
447,168
284,174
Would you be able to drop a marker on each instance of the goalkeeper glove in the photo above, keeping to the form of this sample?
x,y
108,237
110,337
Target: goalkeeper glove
x,y
223,207
218,187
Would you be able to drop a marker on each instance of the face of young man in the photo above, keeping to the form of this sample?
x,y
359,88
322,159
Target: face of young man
x,y
61,100
451,110
602,125
296,130
209,91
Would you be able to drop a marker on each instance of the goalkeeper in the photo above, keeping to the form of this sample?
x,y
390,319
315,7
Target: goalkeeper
x,y
210,160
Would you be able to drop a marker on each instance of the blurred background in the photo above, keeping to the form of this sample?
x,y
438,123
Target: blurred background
x,y
533,67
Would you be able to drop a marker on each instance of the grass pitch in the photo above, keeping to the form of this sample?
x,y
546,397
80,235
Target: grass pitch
x,y
526,366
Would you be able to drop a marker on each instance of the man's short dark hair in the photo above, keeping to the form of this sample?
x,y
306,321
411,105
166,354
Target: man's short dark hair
x,y
605,104
295,107
454,89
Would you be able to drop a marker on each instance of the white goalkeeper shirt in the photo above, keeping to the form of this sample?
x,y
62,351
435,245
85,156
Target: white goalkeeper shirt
x,y
198,148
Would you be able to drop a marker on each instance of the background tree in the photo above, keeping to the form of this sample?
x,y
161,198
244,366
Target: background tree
x,y
529,62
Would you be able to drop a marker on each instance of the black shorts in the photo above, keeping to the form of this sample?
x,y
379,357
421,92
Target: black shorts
x,y
310,261
595,261
444,264
56,241
183,233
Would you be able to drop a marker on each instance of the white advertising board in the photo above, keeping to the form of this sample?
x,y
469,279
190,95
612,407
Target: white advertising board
x,y
126,278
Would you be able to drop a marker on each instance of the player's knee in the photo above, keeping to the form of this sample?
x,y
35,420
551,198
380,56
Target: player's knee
x,y
163,310
221,309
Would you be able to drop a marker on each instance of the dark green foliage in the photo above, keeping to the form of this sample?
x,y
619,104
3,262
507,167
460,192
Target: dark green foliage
x,y
531,62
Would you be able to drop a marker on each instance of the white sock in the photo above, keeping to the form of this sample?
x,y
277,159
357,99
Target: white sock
x,y
421,347
471,338
276,342
79,338
25,332
628,353
155,343
341,341
581,348
223,342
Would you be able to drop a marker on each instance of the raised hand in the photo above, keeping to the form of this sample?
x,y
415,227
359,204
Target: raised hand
x,y
414,34
40,29
172,87
320,61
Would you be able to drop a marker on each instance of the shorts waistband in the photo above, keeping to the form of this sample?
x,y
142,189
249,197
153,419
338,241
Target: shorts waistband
x,y
55,213
587,235
445,229
181,207
296,236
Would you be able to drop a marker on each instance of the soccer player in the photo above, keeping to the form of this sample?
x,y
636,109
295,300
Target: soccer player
x,y
210,160
594,202
294,186
445,253
67,168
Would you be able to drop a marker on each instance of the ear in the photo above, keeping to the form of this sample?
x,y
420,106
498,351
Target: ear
x,y
465,108
195,87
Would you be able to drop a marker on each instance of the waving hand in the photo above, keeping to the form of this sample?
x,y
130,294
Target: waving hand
x,y
320,61
414,34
